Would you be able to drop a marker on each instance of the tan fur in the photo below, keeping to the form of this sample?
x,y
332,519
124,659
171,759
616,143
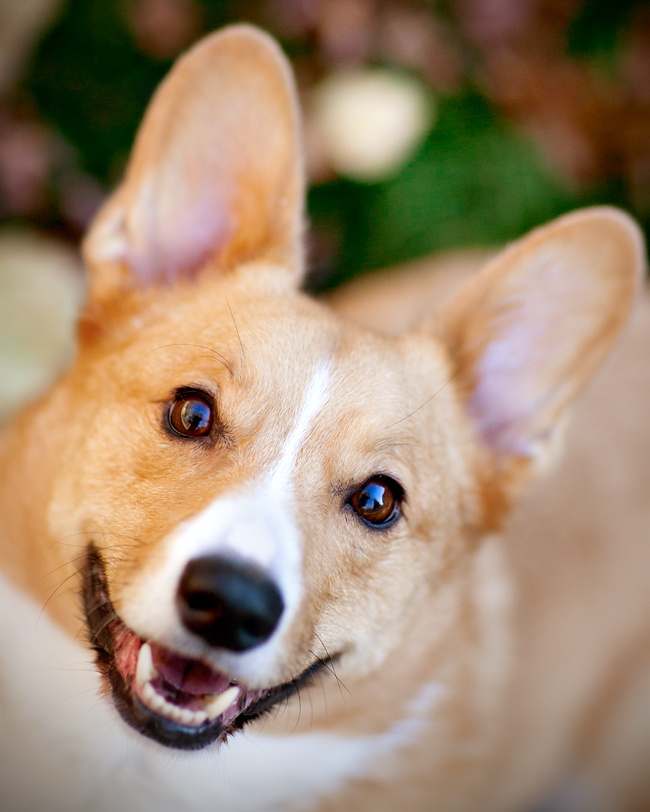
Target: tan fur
x,y
580,664
538,636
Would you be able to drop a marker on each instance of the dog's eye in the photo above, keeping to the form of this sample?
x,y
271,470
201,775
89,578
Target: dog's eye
x,y
378,500
191,415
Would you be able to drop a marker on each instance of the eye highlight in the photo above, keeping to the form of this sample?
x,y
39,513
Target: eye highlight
x,y
191,414
378,501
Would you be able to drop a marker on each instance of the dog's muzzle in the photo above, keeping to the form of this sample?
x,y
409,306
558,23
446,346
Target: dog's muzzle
x,y
177,701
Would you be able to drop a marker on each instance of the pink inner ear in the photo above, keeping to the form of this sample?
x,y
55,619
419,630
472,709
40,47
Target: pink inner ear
x,y
216,153
524,370
505,400
175,225
532,327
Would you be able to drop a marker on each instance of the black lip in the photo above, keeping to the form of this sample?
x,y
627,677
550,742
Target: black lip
x,y
103,623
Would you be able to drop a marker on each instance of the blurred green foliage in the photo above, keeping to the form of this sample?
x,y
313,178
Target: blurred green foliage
x,y
93,82
599,26
90,80
477,180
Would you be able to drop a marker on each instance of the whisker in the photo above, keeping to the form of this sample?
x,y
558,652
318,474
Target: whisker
x,y
232,315
98,606
428,400
298,693
113,616
311,708
66,564
81,629
212,352
61,539
65,580
329,664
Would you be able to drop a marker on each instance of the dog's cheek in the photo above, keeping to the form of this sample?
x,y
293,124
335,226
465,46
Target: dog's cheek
x,y
359,587
122,481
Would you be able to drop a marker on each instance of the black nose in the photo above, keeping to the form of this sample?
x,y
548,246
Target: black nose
x,y
230,604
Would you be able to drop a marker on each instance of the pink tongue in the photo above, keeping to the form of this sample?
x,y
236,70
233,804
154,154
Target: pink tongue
x,y
188,676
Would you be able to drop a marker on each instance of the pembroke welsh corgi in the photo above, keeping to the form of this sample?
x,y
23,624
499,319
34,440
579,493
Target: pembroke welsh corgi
x,y
259,553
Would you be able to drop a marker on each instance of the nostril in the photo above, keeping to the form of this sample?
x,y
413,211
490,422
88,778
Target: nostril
x,y
228,603
204,607
202,600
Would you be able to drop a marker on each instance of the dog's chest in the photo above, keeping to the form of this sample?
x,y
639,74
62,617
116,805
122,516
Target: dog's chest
x,y
64,748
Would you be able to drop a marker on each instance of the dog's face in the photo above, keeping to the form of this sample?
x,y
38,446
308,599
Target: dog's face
x,y
262,488
246,425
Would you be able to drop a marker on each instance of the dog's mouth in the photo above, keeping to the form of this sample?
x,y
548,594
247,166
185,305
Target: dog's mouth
x,y
174,700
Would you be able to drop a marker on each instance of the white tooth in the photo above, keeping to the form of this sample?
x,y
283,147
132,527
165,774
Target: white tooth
x,y
157,702
160,705
153,699
145,670
172,712
163,710
187,717
218,704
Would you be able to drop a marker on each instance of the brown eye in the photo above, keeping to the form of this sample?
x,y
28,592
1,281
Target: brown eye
x,y
378,500
191,415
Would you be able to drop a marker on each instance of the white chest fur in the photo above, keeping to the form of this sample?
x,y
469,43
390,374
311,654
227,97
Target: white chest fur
x,y
64,748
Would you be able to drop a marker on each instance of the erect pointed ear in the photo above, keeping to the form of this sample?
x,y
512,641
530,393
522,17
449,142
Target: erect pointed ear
x,y
215,175
531,328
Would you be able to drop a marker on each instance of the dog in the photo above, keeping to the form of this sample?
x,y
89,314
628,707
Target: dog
x,y
259,553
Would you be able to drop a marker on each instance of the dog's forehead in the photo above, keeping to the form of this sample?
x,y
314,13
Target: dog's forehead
x,y
291,379
268,346
337,401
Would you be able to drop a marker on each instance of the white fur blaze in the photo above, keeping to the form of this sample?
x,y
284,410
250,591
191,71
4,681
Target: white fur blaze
x,y
313,402
256,526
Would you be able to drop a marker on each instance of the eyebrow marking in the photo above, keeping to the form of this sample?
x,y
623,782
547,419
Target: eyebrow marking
x,y
213,354
313,401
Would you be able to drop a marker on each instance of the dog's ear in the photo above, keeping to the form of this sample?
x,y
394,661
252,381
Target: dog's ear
x,y
528,331
215,176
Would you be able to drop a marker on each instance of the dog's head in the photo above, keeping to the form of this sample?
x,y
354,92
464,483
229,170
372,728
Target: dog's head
x,y
264,488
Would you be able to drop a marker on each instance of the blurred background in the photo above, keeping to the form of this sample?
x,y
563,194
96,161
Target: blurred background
x,y
429,126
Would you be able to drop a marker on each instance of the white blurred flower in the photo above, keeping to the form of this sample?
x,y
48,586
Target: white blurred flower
x,y
41,291
369,121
